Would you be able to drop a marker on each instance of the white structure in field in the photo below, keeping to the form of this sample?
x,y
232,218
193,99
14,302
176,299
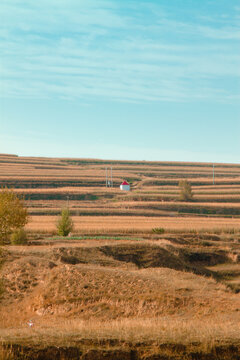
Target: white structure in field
x,y
125,186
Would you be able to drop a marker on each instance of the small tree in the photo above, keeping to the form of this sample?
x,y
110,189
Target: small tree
x,y
185,191
65,223
13,214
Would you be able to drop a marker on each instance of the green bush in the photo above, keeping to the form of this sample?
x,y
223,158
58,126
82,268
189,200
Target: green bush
x,y
158,230
19,237
65,223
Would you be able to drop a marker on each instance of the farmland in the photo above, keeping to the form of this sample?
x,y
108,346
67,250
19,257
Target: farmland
x,y
143,276
50,184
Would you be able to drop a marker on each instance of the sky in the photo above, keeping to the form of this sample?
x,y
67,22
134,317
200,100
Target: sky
x,y
131,79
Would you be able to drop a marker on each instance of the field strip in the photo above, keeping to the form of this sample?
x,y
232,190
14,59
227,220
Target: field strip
x,y
134,223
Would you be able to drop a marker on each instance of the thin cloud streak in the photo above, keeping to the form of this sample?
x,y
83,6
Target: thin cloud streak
x,y
91,50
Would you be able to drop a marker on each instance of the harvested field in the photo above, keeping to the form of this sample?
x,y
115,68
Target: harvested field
x,y
135,224
49,184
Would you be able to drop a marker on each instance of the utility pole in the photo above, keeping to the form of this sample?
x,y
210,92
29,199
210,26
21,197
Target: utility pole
x,y
67,201
109,178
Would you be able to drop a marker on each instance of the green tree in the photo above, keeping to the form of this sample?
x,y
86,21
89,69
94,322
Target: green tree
x,y
185,191
13,214
65,223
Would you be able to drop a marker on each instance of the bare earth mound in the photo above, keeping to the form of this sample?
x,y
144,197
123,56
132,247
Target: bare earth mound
x,y
162,298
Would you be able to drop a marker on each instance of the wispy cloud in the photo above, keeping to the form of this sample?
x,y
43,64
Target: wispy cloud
x,y
112,50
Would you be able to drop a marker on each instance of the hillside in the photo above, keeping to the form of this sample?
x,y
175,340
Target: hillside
x,y
144,276
48,184
106,296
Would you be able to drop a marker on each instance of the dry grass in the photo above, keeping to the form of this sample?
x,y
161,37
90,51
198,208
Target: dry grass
x,y
134,224
159,330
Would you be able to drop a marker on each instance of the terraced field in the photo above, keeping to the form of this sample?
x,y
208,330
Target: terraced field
x,y
49,184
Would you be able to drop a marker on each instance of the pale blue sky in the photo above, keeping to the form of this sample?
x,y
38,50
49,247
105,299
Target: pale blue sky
x,y
152,80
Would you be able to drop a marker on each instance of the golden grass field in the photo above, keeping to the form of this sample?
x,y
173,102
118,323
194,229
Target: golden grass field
x,y
134,224
117,288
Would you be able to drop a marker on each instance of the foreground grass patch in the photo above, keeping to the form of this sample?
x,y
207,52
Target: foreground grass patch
x,y
144,339
97,237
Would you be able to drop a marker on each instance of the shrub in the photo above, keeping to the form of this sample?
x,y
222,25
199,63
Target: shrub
x,y
65,223
19,237
185,190
13,215
158,230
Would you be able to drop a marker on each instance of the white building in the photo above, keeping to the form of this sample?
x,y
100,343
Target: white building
x,y
125,186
